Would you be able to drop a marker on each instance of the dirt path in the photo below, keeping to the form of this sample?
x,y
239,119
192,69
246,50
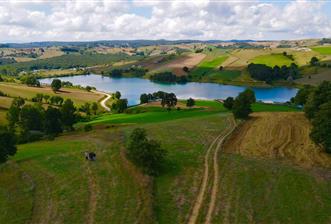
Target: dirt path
x,y
215,185
201,195
103,102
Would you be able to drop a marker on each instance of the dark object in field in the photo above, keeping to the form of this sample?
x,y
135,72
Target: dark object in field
x,y
90,156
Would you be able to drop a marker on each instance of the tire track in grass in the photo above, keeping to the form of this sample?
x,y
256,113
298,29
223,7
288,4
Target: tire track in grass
x,y
215,185
201,195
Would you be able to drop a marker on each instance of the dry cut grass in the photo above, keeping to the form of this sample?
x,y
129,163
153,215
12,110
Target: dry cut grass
x,y
278,135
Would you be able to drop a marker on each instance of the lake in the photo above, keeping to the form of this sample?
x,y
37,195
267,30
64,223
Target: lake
x,y
132,88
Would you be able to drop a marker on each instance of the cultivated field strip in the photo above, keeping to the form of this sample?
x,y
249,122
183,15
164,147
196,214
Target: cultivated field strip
x,y
212,152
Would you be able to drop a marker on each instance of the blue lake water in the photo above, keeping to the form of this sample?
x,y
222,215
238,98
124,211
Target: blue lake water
x,y
132,88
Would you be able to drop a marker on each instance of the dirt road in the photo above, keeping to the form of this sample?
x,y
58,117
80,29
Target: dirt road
x,y
212,152
103,102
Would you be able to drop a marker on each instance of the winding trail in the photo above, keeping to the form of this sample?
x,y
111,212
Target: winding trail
x,y
103,102
203,188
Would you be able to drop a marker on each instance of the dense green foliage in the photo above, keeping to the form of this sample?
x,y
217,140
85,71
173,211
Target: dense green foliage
x,y
168,77
242,104
30,80
268,74
145,153
317,107
228,103
190,102
119,106
7,144
56,85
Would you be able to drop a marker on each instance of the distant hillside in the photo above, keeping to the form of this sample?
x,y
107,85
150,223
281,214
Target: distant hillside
x,y
110,43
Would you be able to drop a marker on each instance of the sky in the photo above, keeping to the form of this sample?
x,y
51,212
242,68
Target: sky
x,y
30,21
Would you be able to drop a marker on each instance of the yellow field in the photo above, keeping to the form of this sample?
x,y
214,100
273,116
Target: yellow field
x,y
78,96
282,135
58,72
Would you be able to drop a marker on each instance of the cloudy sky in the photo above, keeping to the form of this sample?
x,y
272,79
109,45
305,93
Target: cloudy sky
x,y
25,21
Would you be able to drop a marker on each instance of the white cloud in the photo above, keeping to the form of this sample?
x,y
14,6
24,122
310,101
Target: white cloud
x,y
95,20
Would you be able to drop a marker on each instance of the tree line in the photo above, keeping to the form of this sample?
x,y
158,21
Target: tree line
x,y
316,102
168,77
269,74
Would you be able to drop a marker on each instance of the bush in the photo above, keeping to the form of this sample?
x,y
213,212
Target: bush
x,y
144,153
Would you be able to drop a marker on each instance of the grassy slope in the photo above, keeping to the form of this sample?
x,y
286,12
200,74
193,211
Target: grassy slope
x,y
265,191
52,182
59,167
78,96
272,60
324,50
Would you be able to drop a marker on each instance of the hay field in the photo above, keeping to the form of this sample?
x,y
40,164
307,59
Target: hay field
x,y
278,136
176,65
78,96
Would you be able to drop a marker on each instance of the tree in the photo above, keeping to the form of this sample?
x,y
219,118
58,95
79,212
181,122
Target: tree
x,y
320,95
169,100
190,102
242,104
321,131
220,68
144,153
228,103
314,61
116,73
56,100
7,144
53,124
117,95
32,118
86,108
119,106
46,98
68,114
56,84
14,111
302,95
144,98
185,69
94,107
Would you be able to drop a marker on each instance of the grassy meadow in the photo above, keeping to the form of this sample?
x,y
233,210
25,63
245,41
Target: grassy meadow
x,y
324,50
272,60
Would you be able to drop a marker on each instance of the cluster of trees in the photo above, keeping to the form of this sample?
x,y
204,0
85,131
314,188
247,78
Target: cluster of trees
x,y
145,153
119,105
168,100
241,105
317,107
30,80
33,121
88,108
268,74
134,71
44,98
168,77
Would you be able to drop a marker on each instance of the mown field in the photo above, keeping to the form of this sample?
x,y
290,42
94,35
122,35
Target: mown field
x,y
272,60
283,179
324,50
78,96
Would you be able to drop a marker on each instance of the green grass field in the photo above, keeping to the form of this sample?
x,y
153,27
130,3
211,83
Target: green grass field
x,y
267,191
207,65
324,50
264,107
272,60
50,181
